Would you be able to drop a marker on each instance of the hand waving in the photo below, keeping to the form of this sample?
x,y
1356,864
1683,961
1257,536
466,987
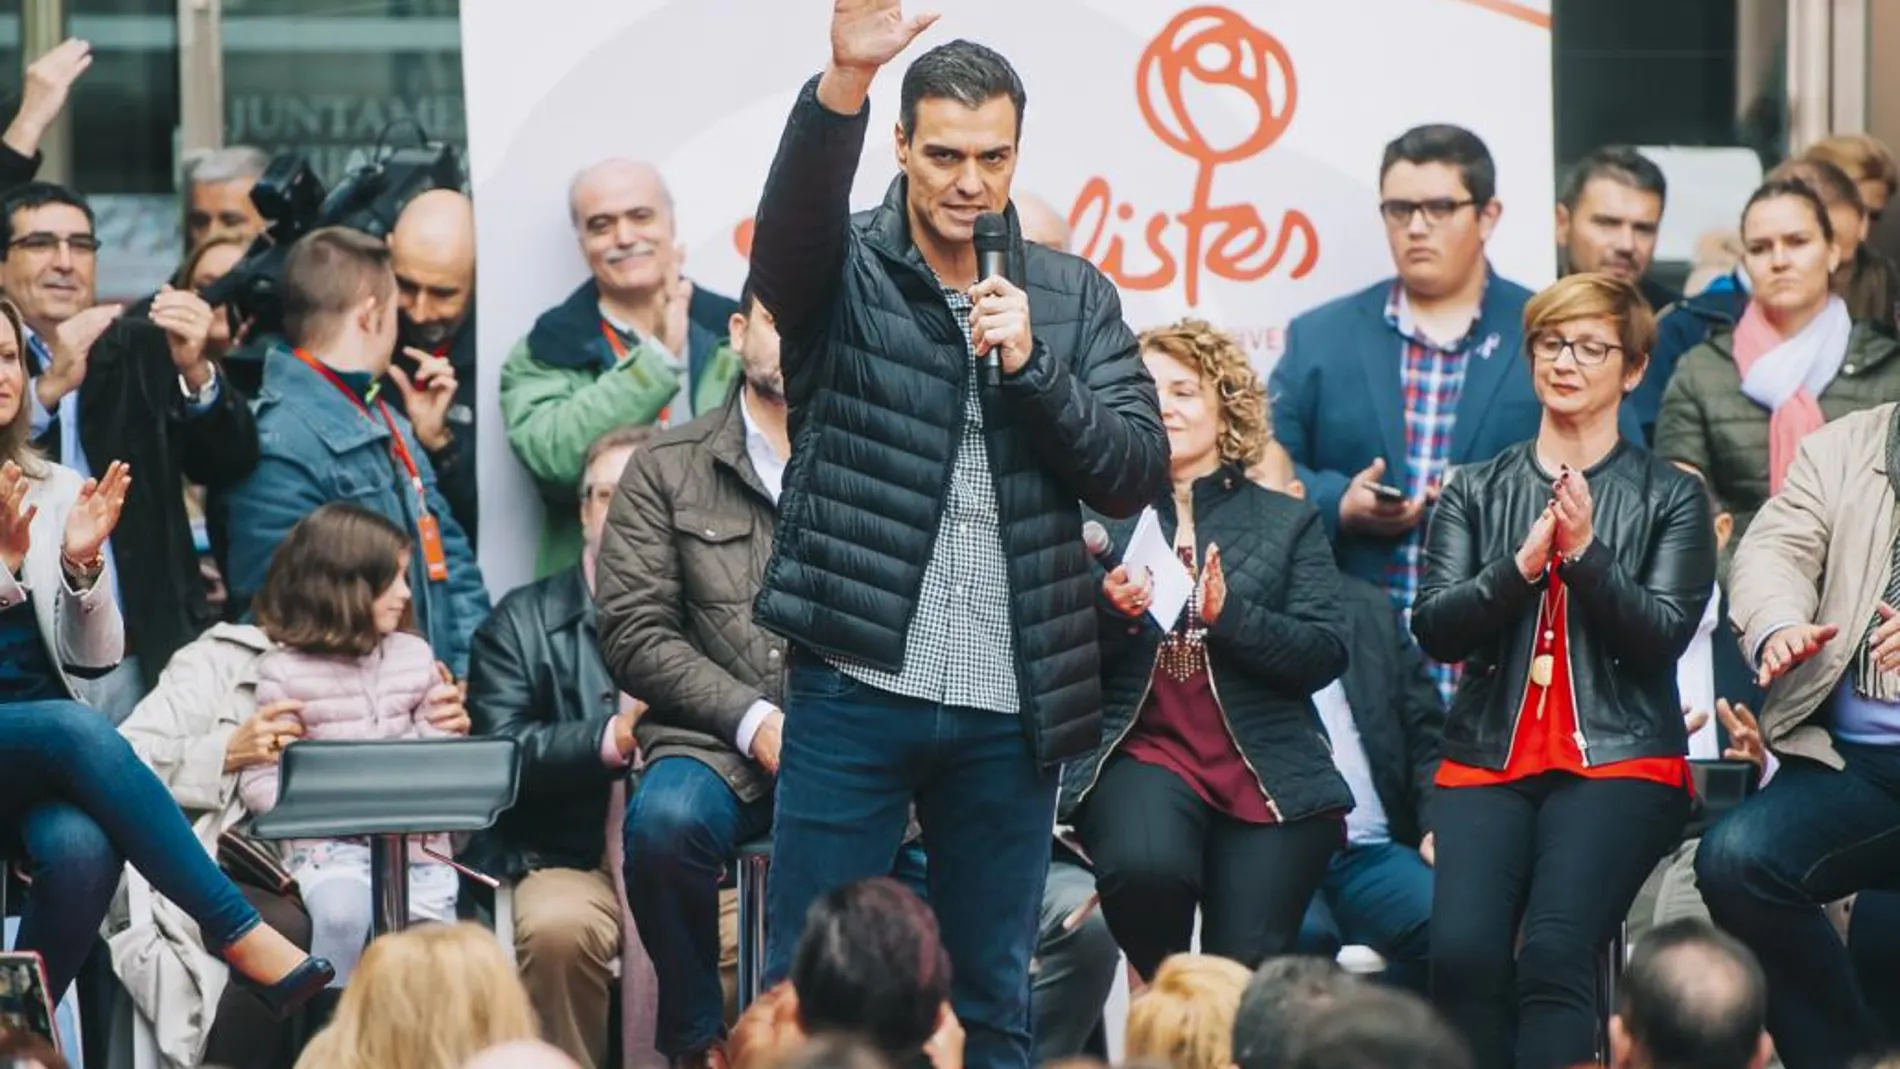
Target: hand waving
x,y
95,514
49,80
16,517
867,34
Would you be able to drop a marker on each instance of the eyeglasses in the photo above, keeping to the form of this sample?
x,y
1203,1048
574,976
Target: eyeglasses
x,y
43,241
1587,352
1400,212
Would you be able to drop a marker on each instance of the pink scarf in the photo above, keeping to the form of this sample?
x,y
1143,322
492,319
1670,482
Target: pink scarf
x,y
1788,375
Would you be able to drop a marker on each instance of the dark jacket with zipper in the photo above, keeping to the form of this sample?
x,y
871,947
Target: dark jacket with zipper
x,y
875,368
1636,595
1395,706
680,562
131,409
1280,638
535,675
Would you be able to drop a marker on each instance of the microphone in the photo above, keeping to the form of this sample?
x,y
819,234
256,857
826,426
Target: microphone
x,y
1100,545
990,236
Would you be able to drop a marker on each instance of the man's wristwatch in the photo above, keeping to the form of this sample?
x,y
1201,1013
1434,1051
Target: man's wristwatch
x,y
202,396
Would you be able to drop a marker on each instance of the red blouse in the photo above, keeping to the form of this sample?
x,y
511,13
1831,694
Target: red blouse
x,y
1180,726
1546,735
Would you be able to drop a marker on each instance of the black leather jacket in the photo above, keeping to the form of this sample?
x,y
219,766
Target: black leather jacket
x,y
1636,596
535,675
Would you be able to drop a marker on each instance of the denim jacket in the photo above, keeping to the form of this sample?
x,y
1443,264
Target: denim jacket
x,y
315,446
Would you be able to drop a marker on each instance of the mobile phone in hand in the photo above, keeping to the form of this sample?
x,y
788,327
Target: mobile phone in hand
x,y
1388,493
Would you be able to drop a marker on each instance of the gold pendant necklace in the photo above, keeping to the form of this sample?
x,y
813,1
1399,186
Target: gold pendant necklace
x,y
1544,665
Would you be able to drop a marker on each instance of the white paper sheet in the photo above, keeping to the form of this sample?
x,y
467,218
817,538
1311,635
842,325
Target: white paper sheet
x,y
1148,548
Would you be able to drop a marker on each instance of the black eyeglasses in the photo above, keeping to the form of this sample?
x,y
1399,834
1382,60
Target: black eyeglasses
x,y
1587,352
43,241
1400,212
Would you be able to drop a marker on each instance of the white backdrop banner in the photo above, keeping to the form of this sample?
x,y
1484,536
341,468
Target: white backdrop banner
x,y
1219,160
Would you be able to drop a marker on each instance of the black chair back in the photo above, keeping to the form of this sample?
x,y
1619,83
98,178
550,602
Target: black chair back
x,y
330,790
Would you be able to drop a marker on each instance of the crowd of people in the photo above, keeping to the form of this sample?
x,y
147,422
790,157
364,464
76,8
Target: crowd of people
x,y
1495,632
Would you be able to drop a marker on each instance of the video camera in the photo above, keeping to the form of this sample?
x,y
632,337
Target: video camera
x,y
292,200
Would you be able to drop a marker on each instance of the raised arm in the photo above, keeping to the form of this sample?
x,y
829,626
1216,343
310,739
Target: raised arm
x,y
798,239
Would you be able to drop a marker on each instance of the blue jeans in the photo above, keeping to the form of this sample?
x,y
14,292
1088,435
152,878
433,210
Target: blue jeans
x,y
854,759
78,799
683,824
1377,895
1812,836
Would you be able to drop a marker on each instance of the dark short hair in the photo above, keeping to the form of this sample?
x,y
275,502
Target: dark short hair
x,y
1454,146
1789,187
325,577
1376,1028
37,195
1694,998
964,71
1620,164
326,274
1283,993
870,962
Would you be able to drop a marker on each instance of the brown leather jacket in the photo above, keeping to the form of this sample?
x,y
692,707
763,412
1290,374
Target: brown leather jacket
x,y
681,560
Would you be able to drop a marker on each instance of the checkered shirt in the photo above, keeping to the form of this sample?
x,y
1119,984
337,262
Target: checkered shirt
x,y
1431,379
958,650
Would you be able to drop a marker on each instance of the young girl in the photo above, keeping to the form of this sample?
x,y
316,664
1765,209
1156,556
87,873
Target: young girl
x,y
336,601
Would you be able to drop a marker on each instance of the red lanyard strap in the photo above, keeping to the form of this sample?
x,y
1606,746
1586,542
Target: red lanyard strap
x,y
428,531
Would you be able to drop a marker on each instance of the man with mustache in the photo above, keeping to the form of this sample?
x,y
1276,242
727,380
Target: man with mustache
x,y
432,250
1609,214
636,344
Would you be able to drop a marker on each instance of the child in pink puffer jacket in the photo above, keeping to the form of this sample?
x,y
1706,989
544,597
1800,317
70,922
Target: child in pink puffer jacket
x,y
336,601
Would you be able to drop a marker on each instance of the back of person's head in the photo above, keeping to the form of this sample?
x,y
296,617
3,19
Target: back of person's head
x,y
836,1052
1860,157
870,962
328,275
429,997
1691,997
1186,1016
24,1050
1283,993
1378,1028
1829,182
320,592
522,1054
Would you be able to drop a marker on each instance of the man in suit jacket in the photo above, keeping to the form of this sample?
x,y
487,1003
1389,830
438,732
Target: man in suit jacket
x,y
1384,719
1812,592
1381,391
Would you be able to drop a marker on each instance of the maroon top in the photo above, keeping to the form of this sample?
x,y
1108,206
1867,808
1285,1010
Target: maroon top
x,y
1179,727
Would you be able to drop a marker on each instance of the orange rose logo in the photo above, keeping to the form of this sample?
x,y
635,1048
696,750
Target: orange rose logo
x,y
1203,54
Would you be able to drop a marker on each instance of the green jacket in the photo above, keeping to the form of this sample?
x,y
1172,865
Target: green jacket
x,y
562,387
1709,424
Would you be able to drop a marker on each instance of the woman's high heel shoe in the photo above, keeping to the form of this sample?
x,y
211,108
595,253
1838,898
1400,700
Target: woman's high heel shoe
x,y
296,988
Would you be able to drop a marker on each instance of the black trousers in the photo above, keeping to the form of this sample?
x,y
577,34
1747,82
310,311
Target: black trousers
x,y
1160,853
244,1035
1534,878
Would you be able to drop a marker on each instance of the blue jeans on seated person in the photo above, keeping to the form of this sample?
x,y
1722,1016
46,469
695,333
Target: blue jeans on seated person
x,y
77,798
855,758
1812,836
1377,895
683,824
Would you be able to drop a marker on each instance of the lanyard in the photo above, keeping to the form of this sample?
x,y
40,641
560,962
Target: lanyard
x,y
427,528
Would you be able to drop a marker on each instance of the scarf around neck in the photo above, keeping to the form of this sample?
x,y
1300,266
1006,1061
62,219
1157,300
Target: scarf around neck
x,y
1788,375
